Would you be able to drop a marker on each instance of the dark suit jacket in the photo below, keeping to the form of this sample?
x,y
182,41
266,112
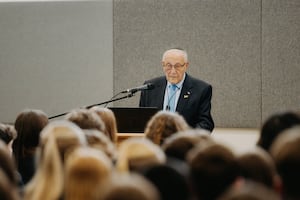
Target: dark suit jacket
x,y
194,102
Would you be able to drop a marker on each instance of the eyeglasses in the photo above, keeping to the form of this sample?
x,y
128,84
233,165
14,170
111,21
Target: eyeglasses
x,y
177,66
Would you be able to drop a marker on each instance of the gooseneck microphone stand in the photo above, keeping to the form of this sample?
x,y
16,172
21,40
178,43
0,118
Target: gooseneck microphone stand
x,y
131,94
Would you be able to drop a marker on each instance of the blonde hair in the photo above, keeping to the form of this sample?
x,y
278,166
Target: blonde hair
x,y
86,170
86,119
100,141
57,138
163,124
129,187
136,153
109,119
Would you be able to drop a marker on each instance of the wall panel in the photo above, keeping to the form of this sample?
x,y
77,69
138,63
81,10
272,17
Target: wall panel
x,y
222,39
280,56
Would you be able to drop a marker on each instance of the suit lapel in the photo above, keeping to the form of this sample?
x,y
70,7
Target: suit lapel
x,y
184,95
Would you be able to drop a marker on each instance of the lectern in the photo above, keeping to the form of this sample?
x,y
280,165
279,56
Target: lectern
x,y
133,119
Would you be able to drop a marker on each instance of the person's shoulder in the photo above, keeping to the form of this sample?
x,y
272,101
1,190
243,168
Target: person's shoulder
x,y
195,81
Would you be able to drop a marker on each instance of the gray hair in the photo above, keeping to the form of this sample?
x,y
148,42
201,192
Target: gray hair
x,y
185,56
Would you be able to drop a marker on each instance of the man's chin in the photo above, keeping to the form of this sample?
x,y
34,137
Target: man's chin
x,y
173,81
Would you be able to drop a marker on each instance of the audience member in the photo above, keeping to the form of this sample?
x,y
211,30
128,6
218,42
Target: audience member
x,y
163,124
137,154
274,125
28,125
213,168
10,179
58,139
100,141
170,183
8,191
109,119
7,165
86,172
286,154
249,191
86,119
257,165
178,144
129,187
74,160
8,134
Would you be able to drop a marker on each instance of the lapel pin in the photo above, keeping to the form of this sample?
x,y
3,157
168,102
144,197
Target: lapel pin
x,y
186,95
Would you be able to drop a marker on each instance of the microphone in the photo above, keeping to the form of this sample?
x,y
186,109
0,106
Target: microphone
x,y
148,86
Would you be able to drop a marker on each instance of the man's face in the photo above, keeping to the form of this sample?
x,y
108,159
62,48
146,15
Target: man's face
x,y
174,65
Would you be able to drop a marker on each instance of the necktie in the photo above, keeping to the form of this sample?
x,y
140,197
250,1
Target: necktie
x,y
172,97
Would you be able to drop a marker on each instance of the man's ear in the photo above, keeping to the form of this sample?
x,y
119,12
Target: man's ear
x,y
187,65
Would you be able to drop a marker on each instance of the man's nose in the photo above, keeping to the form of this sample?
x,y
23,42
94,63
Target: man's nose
x,y
173,69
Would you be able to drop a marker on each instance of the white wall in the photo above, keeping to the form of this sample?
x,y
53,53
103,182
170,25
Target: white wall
x,y
54,56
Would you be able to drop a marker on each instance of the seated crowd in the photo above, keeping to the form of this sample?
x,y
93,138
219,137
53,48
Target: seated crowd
x,y
79,158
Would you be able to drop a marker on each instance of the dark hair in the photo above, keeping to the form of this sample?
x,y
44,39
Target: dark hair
x,y
8,191
178,144
170,183
7,133
285,152
257,165
274,125
29,124
213,168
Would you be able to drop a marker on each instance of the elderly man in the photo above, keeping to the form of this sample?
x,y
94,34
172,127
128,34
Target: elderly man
x,y
179,92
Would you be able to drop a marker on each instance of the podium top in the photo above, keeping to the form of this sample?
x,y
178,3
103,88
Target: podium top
x,y
133,119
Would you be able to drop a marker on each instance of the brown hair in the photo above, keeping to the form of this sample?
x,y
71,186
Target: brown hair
x,y
178,144
213,169
7,133
163,124
29,124
257,165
